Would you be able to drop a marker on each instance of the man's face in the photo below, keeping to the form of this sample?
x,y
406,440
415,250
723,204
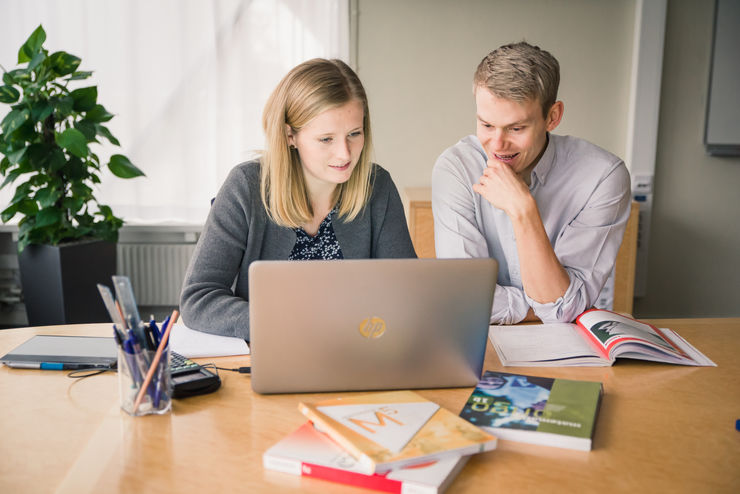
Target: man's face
x,y
512,132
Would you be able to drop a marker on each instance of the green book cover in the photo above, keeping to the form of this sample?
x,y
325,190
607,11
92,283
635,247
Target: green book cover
x,y
538,410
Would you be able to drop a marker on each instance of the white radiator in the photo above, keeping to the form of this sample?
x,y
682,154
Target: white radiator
x,y
156,270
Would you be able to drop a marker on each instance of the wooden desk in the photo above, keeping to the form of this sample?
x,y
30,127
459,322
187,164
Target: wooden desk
x,y
661,428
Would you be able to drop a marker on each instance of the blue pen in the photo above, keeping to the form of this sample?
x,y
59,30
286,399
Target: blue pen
x,y
160,376
164,326
139,355
128,352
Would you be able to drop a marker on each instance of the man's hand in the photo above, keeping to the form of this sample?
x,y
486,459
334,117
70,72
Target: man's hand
x,y
504,189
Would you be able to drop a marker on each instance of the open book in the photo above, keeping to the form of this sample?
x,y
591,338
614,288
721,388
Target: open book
x,y
598,338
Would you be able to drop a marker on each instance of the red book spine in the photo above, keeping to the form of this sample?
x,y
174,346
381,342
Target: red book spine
x,y
376,481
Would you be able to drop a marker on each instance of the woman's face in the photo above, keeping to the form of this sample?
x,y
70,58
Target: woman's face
x,y
330,145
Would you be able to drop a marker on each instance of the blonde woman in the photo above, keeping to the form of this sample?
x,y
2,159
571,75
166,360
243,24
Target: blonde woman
x,y
313,194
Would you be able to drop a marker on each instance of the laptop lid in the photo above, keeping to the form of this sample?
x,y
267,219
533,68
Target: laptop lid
x,y
369,324
82,350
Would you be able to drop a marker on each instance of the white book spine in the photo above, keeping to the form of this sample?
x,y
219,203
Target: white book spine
x,y
281,464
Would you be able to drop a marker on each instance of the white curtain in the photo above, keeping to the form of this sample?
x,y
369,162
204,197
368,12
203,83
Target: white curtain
x,y
186,79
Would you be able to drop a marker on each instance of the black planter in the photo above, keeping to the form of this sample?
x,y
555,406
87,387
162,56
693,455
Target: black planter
x,y
59,281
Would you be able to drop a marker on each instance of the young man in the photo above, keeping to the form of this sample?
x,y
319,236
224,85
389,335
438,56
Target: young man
x,y
550,209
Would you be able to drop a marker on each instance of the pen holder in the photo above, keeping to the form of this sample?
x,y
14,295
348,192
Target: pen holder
x,y
132,370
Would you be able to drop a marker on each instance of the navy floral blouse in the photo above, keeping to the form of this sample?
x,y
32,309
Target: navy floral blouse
x,y
322,246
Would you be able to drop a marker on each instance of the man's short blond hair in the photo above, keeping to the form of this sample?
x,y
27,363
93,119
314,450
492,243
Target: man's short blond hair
x,y
520,72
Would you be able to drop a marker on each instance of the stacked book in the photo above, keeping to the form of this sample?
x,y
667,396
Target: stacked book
x,y
400,442
392,441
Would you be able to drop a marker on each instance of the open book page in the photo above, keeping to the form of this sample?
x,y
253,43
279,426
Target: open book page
x,y
619,334
543,345
695,355
193,344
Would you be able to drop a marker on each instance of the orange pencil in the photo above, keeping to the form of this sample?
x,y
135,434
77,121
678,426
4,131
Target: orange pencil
x,y
155,361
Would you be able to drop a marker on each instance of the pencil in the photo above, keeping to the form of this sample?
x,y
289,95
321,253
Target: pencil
x,y
155,361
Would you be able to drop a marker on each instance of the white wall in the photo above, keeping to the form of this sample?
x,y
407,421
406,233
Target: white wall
x,y
417,58
694,257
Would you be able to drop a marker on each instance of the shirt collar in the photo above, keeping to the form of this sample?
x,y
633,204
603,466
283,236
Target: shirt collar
x,y
543,167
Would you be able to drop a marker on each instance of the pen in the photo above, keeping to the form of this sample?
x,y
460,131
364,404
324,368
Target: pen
x,y
164,325
54,366
155,361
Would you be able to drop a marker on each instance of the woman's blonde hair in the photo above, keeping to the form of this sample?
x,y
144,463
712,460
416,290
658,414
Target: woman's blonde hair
x,y
306,91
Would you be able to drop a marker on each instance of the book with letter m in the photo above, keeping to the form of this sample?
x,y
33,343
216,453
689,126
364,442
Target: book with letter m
x,y
390,430
598,338
537,410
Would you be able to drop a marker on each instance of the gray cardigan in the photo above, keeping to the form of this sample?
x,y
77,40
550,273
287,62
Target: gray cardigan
x,y
239,231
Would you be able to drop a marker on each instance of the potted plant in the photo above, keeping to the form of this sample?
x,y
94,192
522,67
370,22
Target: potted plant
x,y
64,233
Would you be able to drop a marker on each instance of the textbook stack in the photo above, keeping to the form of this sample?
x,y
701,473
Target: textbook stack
x,y
393,441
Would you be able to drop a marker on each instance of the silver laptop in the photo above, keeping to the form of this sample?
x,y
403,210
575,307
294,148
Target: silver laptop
x,y
369,324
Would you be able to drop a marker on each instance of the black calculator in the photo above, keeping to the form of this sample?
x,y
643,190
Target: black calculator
x,y
190,378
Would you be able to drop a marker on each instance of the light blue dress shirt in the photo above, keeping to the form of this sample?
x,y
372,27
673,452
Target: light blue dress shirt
x,y
583,196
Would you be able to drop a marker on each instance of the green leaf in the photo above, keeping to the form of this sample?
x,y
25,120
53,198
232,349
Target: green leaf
x,y
41,110
36,60
85,98
32,45
21,192
9,94
103,131
55,160
48,216
28,207
123,168
47,196
8,213
73,204
75,168
73,141
98,114
13,120
25,133
10,177
64,106
37,154
63,63
79,75
17,76
16,156
106,210
87,128
81,190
